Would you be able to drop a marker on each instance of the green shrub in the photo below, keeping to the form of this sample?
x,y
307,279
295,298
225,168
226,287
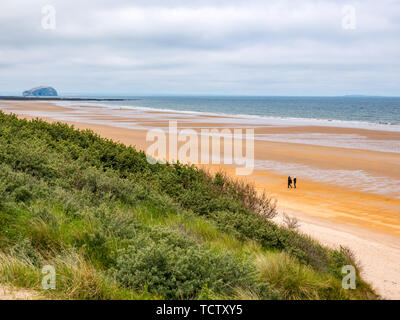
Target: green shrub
x,y
180,271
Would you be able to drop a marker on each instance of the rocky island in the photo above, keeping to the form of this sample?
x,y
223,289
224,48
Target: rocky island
x,y
41,92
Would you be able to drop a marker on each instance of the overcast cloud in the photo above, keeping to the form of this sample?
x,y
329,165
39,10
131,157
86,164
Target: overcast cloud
x,y
296,47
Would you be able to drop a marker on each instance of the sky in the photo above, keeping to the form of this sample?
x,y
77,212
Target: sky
x,y
201,47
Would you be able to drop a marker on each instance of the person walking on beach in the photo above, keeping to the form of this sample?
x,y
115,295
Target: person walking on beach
x,y
294,182
289,182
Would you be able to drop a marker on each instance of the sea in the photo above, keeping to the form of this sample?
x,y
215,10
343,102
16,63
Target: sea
x,y
348,111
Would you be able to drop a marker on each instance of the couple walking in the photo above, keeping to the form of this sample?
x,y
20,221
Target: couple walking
x,y
289,184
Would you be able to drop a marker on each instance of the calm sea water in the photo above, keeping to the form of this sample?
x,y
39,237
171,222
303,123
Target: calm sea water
x,y
373,110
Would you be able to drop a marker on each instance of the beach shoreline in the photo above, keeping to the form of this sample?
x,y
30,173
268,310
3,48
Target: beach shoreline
x,y
367,222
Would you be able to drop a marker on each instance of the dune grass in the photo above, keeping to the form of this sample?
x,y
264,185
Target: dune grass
x,y
116,227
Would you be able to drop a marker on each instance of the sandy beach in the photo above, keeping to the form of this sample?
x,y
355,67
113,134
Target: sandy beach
x,y
348,178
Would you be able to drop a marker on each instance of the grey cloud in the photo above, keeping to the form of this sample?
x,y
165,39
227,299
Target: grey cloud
x,y
249,47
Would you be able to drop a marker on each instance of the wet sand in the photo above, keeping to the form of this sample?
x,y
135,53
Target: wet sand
x,y
336,213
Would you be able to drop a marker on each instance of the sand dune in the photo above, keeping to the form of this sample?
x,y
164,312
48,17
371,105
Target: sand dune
x,y
346,196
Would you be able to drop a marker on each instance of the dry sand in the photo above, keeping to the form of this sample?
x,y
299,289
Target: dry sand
x,y
366,222
9,293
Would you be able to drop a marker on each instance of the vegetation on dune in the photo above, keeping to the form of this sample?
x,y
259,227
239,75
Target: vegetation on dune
x,y
116,227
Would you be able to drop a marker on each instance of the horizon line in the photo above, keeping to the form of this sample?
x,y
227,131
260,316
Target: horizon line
x,y
206,95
